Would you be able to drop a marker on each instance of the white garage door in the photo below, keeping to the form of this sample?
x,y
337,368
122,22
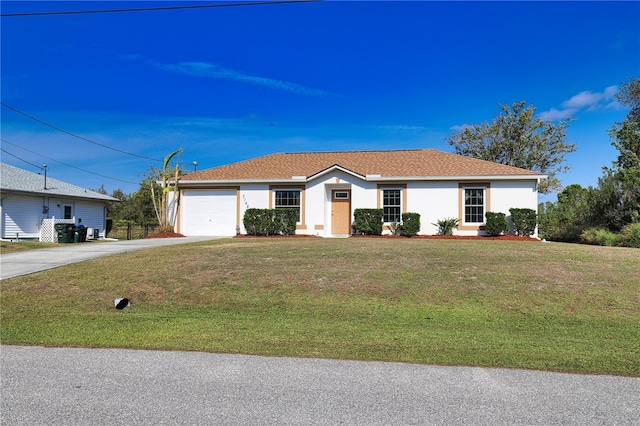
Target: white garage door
x,y
207,212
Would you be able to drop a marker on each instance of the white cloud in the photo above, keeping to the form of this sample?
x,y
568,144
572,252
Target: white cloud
x,y
461,127
210,70
555,114
403,128
592,101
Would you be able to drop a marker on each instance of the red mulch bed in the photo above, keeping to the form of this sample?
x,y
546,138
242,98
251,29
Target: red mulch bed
x,y
275,236
165,235
417,237
454,237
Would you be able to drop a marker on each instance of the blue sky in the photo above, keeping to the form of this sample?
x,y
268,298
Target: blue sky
x,y
227,84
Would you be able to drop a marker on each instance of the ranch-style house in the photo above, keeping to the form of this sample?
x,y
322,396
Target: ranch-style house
x,y
326,188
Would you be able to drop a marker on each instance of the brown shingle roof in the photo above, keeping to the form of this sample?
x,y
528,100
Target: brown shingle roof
x,y
396,163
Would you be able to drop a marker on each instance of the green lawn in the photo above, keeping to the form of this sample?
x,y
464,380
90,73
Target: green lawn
x,y
548,306
14,246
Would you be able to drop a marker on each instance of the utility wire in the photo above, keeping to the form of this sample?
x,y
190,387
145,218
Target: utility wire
x,y
21,159
76,136
147,9
60,162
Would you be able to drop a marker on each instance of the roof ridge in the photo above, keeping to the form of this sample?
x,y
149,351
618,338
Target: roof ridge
x,y
55,187
354,151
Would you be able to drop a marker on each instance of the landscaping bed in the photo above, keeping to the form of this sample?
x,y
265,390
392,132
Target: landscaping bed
x,y
165,235
416,237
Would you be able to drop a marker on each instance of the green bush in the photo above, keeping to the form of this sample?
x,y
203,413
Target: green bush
x,y
600,237
631,235
496,223
410,224
270,221
524,220
446,226
369,221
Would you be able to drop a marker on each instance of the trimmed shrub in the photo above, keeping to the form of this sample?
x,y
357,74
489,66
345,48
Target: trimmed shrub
x,y
369,221
258,222
446,226
600,237
631,235
496,223
524,220
410,224
285,220
270,221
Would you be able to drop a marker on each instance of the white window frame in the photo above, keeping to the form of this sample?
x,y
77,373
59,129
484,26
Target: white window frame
x,y
299,206
344,195
399,205
464,204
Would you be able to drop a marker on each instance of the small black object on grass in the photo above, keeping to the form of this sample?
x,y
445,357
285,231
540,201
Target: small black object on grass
x,y
122,303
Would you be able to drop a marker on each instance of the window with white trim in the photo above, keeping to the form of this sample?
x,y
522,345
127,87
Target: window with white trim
x,y
341,195
474,205
391,205
288,199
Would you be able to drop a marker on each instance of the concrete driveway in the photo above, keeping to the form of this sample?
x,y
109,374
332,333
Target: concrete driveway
x,y
28,262
68,386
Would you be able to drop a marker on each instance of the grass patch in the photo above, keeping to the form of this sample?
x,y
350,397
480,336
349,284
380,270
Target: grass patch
x,y
553,307
17,246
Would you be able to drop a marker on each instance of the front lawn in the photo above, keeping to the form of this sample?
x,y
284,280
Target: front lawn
x,y
548,306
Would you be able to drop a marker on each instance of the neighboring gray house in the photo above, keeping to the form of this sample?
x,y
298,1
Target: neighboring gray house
x,y
25,203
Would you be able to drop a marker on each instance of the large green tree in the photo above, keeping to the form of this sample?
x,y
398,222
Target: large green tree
x,y
518,137
135,208
618,201
565,219
629,95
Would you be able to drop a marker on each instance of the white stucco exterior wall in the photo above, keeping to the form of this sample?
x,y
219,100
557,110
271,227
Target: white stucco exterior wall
x,y
433,200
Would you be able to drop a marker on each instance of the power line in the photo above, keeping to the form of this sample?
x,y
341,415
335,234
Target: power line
x,y
76,136
21,159
60,162
148,9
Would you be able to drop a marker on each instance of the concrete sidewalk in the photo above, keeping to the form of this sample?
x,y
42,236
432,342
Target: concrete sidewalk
x,y
28,262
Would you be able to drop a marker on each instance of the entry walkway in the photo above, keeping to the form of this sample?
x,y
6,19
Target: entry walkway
x,y
30,261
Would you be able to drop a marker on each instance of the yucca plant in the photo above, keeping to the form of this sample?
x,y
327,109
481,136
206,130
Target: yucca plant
x,y
446,226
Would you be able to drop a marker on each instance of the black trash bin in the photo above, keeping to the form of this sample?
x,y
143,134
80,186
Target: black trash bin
x,y
79,234
65,233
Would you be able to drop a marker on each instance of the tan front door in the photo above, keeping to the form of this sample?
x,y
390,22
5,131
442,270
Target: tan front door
x,y
340,212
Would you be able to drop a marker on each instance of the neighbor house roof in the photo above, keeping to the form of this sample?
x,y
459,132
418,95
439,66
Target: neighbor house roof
x,y
17,180
417,163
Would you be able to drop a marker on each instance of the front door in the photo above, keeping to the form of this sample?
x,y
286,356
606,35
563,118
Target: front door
x,y
340,212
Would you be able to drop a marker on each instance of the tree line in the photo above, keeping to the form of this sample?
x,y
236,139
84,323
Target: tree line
x,y
607,214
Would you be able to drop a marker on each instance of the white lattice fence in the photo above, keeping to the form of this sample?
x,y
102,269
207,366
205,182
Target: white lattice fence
x,y
48,232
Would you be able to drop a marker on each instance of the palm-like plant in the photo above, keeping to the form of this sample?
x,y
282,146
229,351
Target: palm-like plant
x,y
446,226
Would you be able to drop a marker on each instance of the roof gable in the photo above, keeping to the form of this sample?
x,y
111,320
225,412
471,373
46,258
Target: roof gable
x,y
15,179
410,164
